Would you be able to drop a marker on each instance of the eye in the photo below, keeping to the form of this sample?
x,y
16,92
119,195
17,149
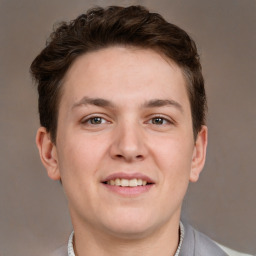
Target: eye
x,y
159,121
95,120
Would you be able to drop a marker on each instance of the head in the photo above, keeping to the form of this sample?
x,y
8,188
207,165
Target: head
x,y
114,26
122,107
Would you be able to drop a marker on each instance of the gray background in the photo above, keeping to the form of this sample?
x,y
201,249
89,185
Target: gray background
x,y
34,217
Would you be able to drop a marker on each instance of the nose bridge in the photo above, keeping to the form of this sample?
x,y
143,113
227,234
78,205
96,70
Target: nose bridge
x,y
128,140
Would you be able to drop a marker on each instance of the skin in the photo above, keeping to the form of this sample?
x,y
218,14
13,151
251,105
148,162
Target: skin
x,y
141,126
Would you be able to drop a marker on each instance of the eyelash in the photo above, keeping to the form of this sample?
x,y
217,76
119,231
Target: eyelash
x,y
88,120
164,120
102,120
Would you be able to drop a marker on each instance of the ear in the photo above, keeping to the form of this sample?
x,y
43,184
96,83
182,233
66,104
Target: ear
x,y
48,153
199,154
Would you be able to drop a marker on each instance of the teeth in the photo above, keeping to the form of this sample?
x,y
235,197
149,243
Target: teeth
x,y
140,182
127,183
133,183
117,182
124,183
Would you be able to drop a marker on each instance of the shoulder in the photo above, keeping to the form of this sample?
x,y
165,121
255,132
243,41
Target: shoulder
x,y
198,244
231,252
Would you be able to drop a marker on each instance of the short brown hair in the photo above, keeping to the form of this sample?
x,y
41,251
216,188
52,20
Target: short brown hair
x,y
103,27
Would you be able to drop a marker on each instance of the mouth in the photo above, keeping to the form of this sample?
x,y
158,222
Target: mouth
x,y
128,184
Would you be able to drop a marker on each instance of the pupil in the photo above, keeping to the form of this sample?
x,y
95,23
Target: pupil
x,y
158,121
96,120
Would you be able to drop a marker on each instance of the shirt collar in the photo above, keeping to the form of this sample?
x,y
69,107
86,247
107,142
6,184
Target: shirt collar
x,y
72,253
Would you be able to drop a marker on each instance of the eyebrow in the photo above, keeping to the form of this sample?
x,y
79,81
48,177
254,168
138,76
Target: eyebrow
x,y
106,103
162,103
93,101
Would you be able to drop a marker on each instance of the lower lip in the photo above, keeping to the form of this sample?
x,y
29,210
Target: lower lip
x,y
129,191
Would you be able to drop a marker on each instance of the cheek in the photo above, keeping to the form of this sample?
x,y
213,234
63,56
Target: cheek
x,y
80,155
173,154
173,159
79,162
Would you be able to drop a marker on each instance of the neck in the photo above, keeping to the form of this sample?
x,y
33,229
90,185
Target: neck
x,y
89,241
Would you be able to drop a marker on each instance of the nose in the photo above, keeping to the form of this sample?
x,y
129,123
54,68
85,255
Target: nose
x,y
128,143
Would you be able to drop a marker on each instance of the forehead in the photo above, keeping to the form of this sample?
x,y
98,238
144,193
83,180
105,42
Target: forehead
x,y
129,71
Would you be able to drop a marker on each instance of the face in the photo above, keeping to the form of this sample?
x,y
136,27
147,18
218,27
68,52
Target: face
x,y
125,150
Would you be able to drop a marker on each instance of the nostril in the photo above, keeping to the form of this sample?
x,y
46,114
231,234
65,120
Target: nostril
x,y
120,156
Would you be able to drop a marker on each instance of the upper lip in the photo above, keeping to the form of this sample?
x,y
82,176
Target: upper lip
x,y
128,176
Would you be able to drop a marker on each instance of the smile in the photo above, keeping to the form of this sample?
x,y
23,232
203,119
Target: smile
x,y
126,182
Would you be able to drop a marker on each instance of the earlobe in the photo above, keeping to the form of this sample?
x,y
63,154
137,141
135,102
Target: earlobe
x,y
199,154
48,153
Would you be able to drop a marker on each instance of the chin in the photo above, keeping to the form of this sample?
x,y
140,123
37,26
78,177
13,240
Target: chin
x,y
131,226
131,231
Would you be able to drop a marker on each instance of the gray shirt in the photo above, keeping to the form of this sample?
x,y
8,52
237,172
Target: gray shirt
x,y
197,244
194,244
